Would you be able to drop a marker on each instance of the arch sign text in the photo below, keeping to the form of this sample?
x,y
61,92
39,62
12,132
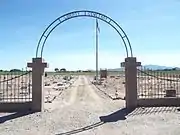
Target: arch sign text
x,y
83,13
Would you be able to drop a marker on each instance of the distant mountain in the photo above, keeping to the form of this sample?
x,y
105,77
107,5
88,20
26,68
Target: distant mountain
x,y
152,67
157,67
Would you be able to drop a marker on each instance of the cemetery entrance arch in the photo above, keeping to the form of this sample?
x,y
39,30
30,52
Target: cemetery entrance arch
x,y
38,64
83,13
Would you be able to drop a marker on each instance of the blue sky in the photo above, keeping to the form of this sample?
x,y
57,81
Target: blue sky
x,y
153,27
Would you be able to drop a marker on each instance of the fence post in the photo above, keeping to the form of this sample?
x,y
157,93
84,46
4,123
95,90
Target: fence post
x,y
38,67
130,65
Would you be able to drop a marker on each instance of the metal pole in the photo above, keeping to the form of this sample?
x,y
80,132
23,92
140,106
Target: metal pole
x,y
96,51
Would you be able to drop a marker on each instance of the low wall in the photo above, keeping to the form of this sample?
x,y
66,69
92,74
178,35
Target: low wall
x,y
15,107
157,102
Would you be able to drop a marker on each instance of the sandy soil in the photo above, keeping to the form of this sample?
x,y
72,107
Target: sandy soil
x,y
83,109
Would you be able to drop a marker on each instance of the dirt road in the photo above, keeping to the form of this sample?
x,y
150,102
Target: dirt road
x,y
84,110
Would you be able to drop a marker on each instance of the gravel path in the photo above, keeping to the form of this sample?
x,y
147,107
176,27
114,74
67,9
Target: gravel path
x,y
77,110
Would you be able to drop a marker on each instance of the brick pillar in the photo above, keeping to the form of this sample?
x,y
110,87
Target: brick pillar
x,y
38,67
130,65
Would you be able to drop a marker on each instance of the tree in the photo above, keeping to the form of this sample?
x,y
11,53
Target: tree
x,y
15,70
56,70
63,70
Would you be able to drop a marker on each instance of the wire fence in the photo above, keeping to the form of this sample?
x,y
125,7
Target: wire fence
x,y
15,86
157,84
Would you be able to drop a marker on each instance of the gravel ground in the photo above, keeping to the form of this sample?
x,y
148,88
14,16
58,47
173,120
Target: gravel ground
x,y
113,86
78,110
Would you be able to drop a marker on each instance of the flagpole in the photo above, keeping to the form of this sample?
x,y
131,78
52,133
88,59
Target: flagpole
x,y
96,50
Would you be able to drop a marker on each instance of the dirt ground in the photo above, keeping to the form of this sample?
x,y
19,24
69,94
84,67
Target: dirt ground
x,y
82,109
112,86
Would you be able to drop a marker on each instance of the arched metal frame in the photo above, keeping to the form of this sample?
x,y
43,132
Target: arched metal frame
x,y
83,13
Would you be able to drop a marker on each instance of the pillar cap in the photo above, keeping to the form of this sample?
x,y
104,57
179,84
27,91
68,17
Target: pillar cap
x,y
123,64
38,62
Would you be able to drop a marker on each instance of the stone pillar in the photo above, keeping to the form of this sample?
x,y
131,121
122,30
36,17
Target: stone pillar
x,y
38,66
130,65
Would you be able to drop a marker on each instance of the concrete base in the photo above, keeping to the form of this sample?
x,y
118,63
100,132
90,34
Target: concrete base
x,y
15,107
158,102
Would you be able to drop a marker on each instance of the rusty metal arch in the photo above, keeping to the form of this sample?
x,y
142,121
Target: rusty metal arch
x,y
84,13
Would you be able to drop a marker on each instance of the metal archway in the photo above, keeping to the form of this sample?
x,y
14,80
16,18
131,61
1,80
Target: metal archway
x,y
83,13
